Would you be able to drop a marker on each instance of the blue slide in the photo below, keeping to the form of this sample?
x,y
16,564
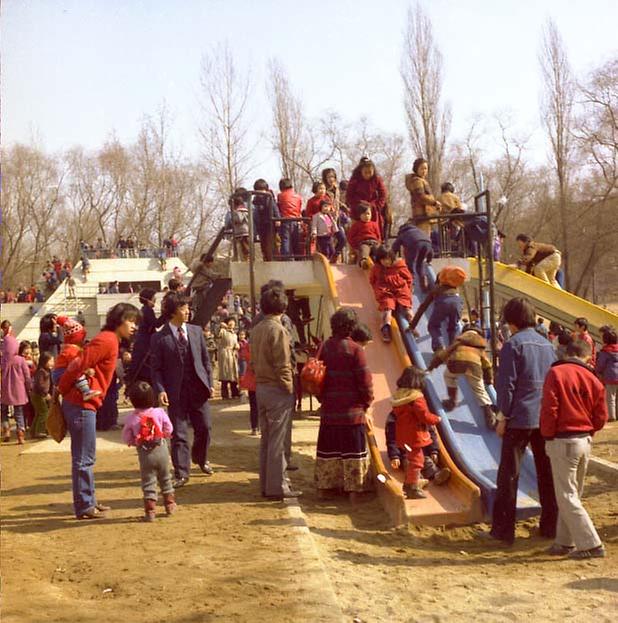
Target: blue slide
x,y
474,448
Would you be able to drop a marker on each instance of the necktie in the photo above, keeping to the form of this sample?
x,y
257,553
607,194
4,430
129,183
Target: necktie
x,y
182,338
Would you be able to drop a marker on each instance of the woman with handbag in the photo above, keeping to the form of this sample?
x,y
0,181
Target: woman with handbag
x,y
343,462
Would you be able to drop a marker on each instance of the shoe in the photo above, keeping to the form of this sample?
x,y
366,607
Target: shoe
x,y
582,554
490,417
283,496
451,402
180,482
422,483
560,550
442,476
206,469
254,432
486,535
386,333
21,436
169,501
6,433
150,510
102,508
291,468
93,513
413,492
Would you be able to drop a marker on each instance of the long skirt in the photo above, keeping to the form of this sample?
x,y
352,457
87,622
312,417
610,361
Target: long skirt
x,y
342,458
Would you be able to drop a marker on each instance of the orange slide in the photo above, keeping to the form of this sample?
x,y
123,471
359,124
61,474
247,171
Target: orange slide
x,y
456,503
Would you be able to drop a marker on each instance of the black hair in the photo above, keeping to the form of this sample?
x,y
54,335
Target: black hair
x,y
273,301
362,334
363,209
343,185
325,202
141,395
206,258
147,294
46,323
23,346
412,378
285,183
540,320
579,349
241,193
608,335
555,328
44,358
260,184
565,338
343,322
316,185
172,302
382,253
519,312
272,283
501,234
326,172
447,187
237,200
582,322
523,238
417,163
475,312
364,162
174,285
118,314
6,324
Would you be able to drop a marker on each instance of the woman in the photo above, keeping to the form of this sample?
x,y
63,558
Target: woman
x,y
15,385
140,359
50,339
422,199
329,178
228,360
366,187
101,355
342,459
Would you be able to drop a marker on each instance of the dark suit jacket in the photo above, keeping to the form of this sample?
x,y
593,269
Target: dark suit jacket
x,y
167,366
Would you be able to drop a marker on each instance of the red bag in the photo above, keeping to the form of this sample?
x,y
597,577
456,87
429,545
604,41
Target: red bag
x,y
313,373
247,380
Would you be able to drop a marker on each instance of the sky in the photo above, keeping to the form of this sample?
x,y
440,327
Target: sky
x,y
75,71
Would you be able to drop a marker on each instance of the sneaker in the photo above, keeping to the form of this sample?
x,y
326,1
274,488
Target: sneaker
x,y
442,476
414,492
254,432
595,552
386,333
560,550
422,483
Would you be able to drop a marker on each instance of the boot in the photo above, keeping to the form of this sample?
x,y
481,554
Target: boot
x,y
169,500
21,435
413,492
6,432
150,507
442,476
451,402
490,417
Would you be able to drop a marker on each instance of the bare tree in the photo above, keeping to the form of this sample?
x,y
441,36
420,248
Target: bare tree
x,y
421,70
557,117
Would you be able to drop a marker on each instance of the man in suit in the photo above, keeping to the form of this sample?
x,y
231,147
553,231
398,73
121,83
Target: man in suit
x,y
182,377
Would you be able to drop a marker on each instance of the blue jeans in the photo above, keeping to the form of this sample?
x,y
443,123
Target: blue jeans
x,y
82,426
18,414
288,232
446,309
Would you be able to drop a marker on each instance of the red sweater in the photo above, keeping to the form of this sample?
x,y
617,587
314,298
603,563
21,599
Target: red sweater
x,y
290,203
313,204
413,418
573,400
361,231
391,285
101,355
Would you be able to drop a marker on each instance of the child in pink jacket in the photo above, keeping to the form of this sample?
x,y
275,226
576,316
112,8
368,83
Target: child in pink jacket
x,y
16,385
147,428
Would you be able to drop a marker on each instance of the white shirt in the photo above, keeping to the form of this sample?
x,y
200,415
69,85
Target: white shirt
x,y
174,329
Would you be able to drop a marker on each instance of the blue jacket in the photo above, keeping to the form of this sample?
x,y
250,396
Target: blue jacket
x,y
607,364
410,237
264,208
524,362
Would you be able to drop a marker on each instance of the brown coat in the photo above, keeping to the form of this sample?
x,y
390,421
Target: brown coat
x,y
450,202
533,253
271,354
466,355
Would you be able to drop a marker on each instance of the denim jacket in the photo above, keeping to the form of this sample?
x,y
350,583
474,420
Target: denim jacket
x,y
524,362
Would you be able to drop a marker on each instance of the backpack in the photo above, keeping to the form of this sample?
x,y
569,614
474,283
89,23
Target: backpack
x,y
313,374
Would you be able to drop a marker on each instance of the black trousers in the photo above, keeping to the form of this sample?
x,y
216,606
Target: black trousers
x,y
198,415
514,444
253,411
229,386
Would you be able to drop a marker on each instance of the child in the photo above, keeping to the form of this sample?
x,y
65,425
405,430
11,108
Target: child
x,y
392,286
290,205
564,339
243,352
16,384
313,203
25,351
41,395
72,347
466,357
323,228
572,410
265,212
417,250
362,334
247,381
363,236
447,306
240,225
580,332
147,428
607,369
498,243
412,418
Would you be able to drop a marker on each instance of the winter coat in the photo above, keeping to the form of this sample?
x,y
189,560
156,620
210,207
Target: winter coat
x,y
313,204
373,191
450,202
361,231
290,203
16,381
413,418
265,209
392,285
573,401
323,225
607,364
533,253
228,355
394,451
421,198
411,238
466,355
240,222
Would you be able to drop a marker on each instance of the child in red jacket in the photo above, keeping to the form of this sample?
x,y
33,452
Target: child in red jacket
x,y
392,285
363,236
580,332
572,410
412,421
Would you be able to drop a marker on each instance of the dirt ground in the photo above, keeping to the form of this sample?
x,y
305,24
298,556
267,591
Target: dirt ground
x,y
230,556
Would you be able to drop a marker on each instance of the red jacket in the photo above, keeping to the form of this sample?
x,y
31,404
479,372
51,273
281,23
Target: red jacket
x,y
392,285
101,355
573,400
290,203
412,418
361,231
373,191
313,204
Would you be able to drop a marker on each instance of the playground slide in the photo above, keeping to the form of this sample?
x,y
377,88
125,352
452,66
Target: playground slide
x,y
457,502
549,302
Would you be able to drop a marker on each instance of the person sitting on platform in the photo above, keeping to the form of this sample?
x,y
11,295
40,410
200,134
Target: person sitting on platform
x,y
323,229
364,236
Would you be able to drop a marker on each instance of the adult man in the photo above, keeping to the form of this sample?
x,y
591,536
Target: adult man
x,y
539,259
182,377
272,362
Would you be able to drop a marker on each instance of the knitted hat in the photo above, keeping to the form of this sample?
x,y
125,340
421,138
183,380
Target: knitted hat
x,y
453,276
73,332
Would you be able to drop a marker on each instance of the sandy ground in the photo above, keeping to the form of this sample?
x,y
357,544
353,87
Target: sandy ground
x,y
229,556
605,443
